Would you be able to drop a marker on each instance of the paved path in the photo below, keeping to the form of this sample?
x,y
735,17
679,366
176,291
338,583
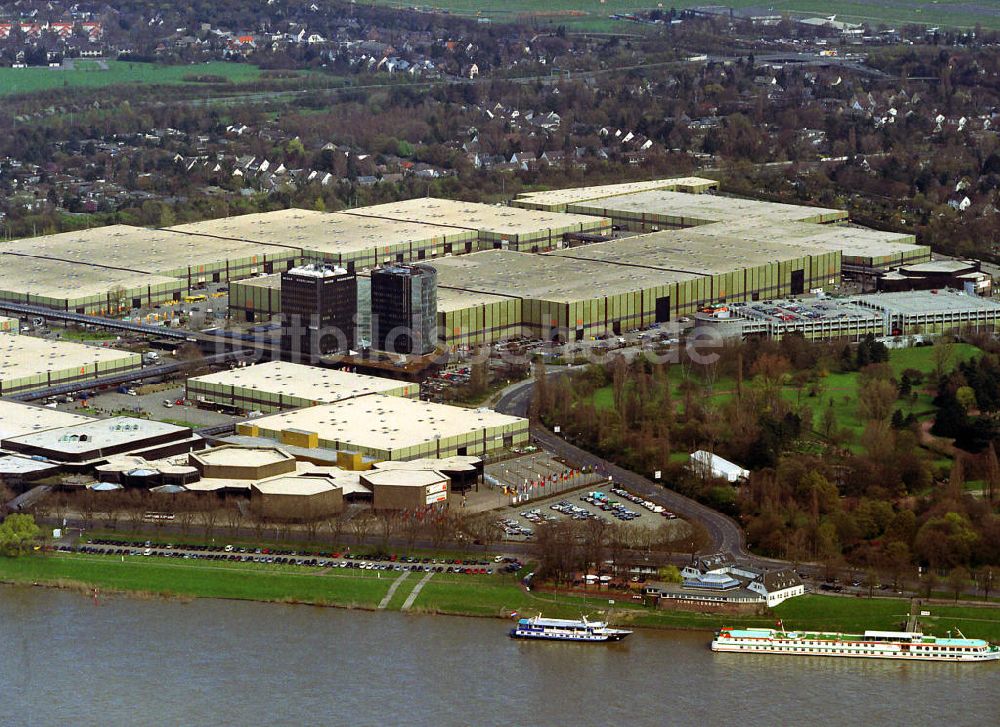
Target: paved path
x,y
392,590
415,592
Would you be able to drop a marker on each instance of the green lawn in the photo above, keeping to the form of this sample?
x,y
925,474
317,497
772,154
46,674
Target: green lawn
x,y
584,13
88,75
71,335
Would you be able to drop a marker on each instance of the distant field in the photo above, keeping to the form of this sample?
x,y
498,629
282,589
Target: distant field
x,y
88,74
593,13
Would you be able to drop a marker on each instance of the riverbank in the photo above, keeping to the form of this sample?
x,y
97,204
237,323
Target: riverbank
x,y
494,596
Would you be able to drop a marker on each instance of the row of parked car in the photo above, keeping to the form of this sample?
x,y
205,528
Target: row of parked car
x,y
574,511
651,506
613,508
379,561
514,528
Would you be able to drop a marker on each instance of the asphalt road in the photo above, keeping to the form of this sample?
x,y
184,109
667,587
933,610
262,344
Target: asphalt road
x,y
725,533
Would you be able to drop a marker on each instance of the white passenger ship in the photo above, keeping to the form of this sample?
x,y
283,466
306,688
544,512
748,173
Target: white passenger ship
x,y
872,645
537,627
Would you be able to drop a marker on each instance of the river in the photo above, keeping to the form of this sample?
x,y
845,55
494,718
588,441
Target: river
x,y
66,659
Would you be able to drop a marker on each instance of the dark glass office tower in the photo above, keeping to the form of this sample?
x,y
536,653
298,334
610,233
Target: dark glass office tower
x,y
404,309
319,305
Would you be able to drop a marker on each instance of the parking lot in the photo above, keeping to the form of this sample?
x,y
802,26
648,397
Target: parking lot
x,y
613,506
108,403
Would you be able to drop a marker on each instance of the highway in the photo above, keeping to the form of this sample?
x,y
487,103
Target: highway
x,y
725,533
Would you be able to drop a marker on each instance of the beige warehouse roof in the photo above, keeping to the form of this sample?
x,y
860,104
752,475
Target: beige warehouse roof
x,y
481,217
321,231
546,277
450,299
302,382
384,422
704,208
272,281
141,249
458,463
849,239
559,198
674,250
50,278
25,356
17,419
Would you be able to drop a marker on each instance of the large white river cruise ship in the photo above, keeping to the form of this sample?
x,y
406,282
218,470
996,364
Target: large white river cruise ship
x,y
871,645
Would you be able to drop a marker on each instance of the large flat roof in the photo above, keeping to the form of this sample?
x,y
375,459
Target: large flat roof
x,y
403,477
302,486
925,302
96,434
449,299
689,251
323,232
702,209
25,356
141,249
489,218
17,419
384,422
547,277
558,199
849,239
272,281
302,382
61,279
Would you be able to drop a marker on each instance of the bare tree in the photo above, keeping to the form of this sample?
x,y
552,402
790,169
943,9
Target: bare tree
x,y
135,509
233,516
389,523
111,510
88,506
336,524
411,530
208,518
185,513
259,523
361,525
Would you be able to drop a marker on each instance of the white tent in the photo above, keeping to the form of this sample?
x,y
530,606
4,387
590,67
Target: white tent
x,y
711,465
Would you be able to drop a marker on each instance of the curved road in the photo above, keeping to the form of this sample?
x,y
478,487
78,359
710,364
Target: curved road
x,y
725,533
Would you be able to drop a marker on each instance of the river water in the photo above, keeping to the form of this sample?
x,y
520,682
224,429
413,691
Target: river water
x,y
66,660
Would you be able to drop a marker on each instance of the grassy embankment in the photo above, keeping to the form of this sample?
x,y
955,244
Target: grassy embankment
x,y
490,596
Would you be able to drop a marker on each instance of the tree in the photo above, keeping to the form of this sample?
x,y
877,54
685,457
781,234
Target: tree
x,y
669,574
361,525
985,578
958,579
17,534
942,357
966,398
929,582
875,399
